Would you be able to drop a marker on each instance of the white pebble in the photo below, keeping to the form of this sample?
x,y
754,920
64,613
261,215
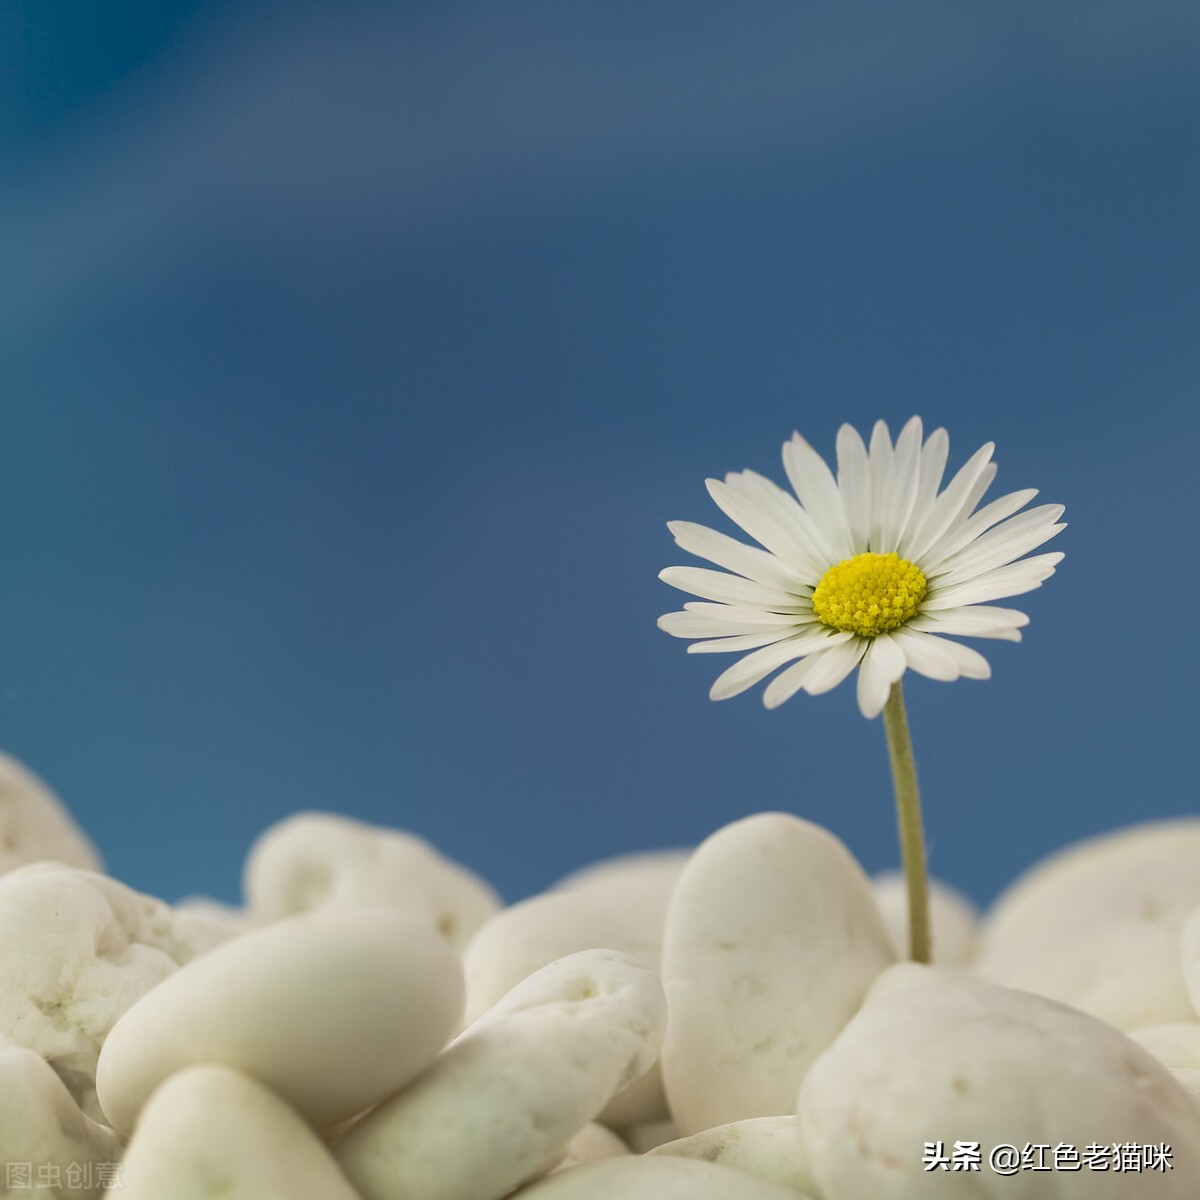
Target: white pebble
x,y
502,1103
332,1010
211,1133
936,1054
1097,926
1174,1045
953,919
655,1179
34,825
522,939
319,860
592,1143
41,1125
76,950
769,1147
772,938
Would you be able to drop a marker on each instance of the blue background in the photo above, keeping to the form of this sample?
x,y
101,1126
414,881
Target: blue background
x,y
354,357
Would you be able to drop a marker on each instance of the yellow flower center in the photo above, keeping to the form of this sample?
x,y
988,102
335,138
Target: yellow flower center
x,y
869,594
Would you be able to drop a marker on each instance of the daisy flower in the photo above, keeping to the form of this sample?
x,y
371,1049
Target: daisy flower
x,y
879,568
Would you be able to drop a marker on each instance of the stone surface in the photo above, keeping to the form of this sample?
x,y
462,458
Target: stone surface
x,y
76,950
34,825
42,1127
1097,926
771,1148
502,1103
1174,1045
521,939
772,938
319,860
642,881
332,1010
591,1144
212,1133
939,1055
655,1179
953,919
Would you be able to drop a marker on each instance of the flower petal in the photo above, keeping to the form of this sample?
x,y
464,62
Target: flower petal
x,y
902,491
976,620
721,620
764,525
854,483
882,456
786,509
835,664
1012,580
977,524
747,671
950,504
927,655
742,641
1000,546
814,484
732,589
882,665
734,556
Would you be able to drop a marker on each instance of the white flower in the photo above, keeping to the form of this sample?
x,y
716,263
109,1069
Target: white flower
x,y
869,570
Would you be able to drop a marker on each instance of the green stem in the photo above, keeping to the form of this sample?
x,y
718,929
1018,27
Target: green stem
x,y
908,818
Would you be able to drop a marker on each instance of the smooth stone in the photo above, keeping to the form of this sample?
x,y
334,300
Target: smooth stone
x,y
35,826
1174,1045
41,1125
770,1147
772,939
643,1178
937,1054
592,1143
522,939
78,949
212,1133
320,860
1188,1078
953,919
641,1139
643,881
1097,926
1189,961
332,1010
501,1104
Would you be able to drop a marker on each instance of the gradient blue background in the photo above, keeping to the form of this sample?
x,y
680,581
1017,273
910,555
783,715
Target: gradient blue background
x,y
354,356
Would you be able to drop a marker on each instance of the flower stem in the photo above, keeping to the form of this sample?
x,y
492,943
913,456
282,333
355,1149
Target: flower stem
x,y
908,818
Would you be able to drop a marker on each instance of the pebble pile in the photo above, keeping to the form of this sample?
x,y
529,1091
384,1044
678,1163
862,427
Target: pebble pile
x,y
734,1023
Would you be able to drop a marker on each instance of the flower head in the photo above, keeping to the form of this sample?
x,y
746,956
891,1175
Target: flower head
x,y
878,568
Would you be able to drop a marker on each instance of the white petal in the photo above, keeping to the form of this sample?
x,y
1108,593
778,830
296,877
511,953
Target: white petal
x,y
949,505
854,483
882,665
743,641
786,510
732,589
765,528
814,484
1004,544
964,534
746,672
971,664
731,554
834,666
882,456
976,620
725,621
933,467
1012,580
790,680
902,493
927,655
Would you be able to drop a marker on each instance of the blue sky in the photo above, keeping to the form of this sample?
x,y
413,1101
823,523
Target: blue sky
x,y
356,356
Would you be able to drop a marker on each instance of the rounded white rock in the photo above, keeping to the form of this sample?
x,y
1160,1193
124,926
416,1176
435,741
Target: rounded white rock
x,y
592,1143
41,1125
522,939
953,919
1097,926
634,1178
332,1010
770,1147
938,1055
772,939
35,826
1174,1045
211,1132
644,881
77,949
501,1104
318,860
